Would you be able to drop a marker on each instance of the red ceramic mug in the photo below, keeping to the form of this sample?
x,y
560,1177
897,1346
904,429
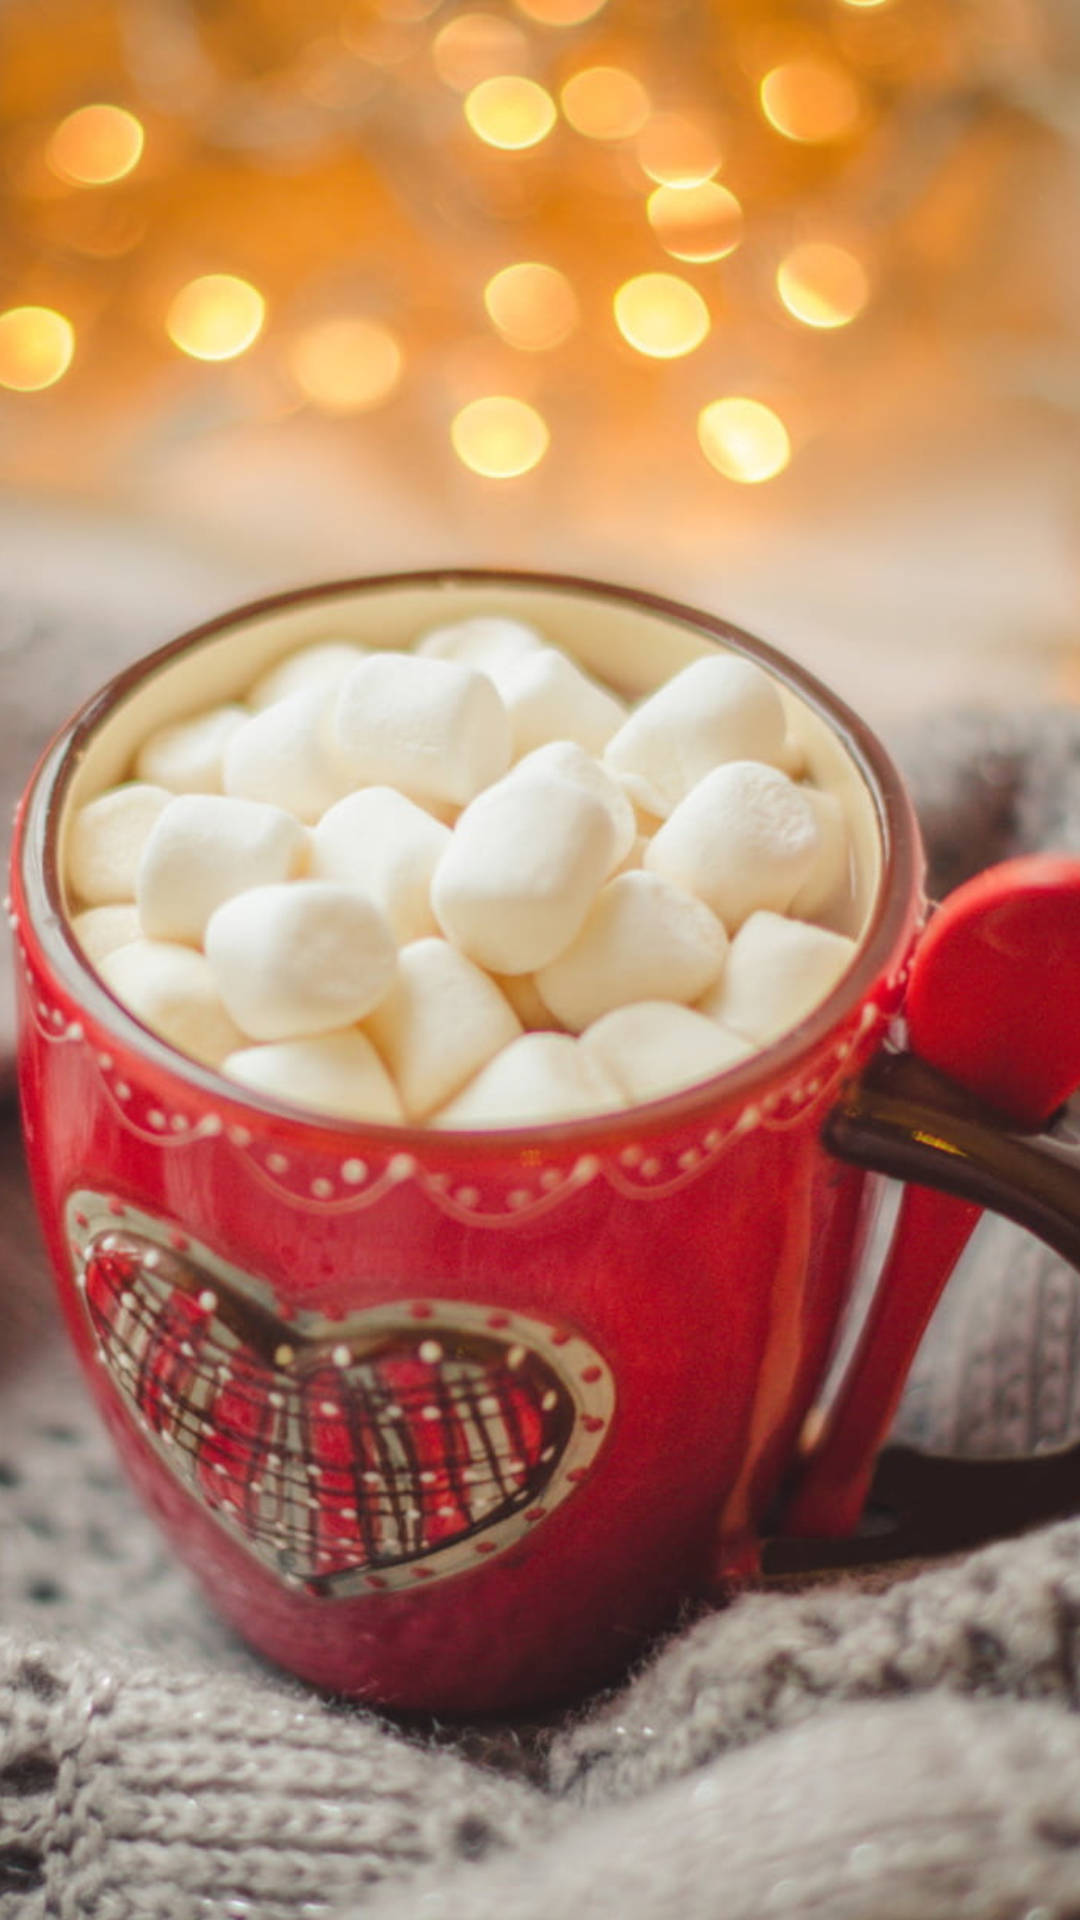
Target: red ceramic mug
x,y
454,1420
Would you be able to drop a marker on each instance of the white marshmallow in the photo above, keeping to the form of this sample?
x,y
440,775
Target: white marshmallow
x,y
541,1077
650,807
777,971
479,642
830,877
565,760
336,1072
717,709
323,664
744,837
286,756
204,848
634,859
100,930
106,839
643,939
171,989
432,728
189,757
653,1047
387,846
523,867
549,698
300,957
441,1021
521,991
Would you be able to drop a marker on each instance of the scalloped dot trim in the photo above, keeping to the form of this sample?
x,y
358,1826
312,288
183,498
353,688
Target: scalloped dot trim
x,y
644,1170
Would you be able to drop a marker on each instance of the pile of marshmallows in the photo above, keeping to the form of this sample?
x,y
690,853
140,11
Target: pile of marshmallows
x,y
465,886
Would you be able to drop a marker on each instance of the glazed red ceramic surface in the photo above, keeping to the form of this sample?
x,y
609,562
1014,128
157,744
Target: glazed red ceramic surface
x,y
450,1421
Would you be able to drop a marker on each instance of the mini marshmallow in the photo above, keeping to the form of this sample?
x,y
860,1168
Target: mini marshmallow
x,y
336,1072
745,837
100,930
777,971
106,840
323,664
830,876
541,1077
206,847
565,760
643,939
171,989
480,642
441,1021
300,957
285,755
433,728
387,846
525,862
634,858
717,709
189,757
653,1047
521,991
650,807
549,698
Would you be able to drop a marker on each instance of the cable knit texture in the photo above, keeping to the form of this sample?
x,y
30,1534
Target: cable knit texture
x,y
906,1748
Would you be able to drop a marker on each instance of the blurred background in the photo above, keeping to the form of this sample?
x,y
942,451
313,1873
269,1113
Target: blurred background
x,y
772,307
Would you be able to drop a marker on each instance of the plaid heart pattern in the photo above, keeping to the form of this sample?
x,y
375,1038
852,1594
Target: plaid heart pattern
x,y
352,1454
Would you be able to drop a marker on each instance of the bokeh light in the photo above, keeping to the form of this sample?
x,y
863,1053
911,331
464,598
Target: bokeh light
x,y
96,145
407,11
215,317
678,149
696,223
661,315
605,103
36,348
532,306
822,285
743,439
560,13
477,46
510,111
499,437
347,365
810,100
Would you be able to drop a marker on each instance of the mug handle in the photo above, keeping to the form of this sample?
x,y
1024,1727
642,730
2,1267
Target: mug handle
x,y
904,1118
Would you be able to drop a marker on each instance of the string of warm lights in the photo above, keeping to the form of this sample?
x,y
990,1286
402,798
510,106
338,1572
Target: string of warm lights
x,y
370,184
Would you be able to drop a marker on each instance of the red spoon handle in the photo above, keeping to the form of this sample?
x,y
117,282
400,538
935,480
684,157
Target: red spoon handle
x,y
906,1119
995,1035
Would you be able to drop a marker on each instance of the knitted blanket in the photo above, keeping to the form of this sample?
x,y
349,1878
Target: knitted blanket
x,y
901,1746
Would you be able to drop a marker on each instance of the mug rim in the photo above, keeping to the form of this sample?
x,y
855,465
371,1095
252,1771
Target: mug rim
x,y
35,861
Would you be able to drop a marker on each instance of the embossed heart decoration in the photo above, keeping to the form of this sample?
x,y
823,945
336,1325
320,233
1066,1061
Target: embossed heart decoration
x,y
393,1445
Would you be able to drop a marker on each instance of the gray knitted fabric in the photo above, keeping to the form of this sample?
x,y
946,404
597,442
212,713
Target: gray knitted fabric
x,y
1003,1622
900,1748
924,1810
